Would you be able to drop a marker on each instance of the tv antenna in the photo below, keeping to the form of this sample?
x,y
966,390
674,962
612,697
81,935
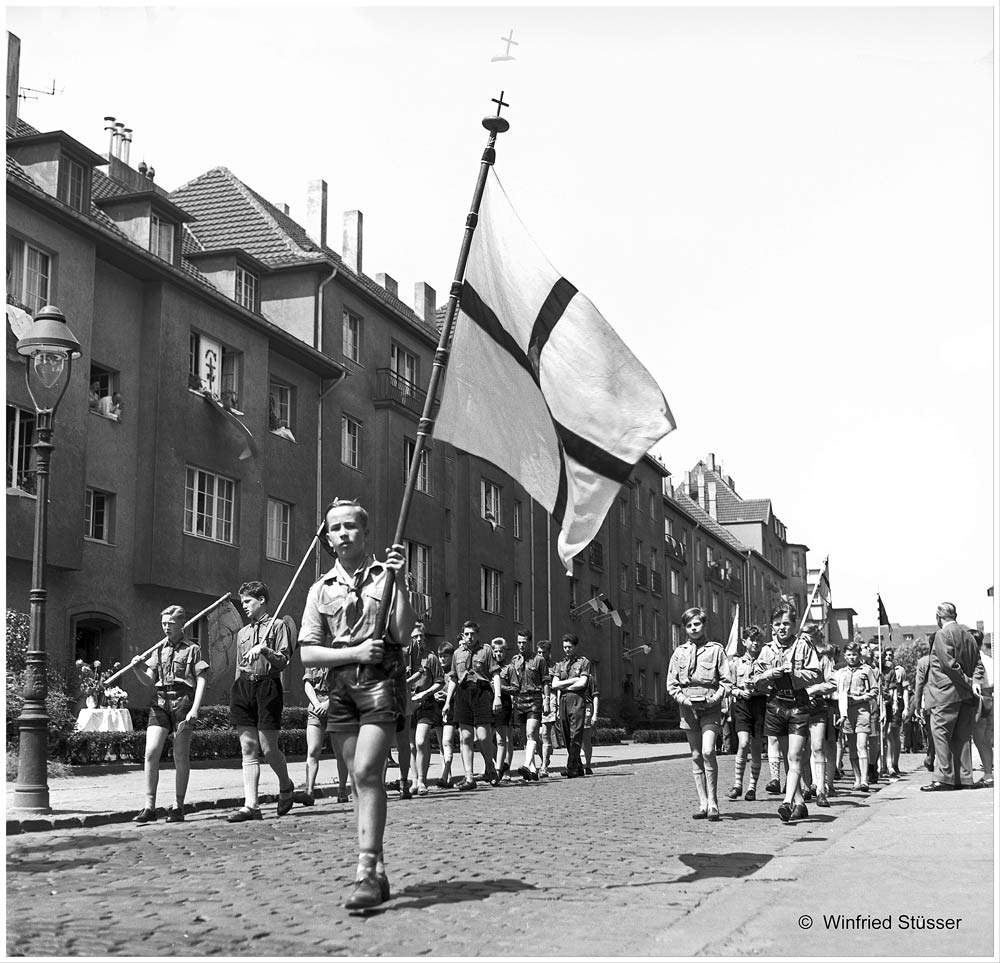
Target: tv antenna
x,y
25,93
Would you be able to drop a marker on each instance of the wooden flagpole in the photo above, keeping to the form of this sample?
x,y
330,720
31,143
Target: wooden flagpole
x,y
495,125
153,648
812,598
305,558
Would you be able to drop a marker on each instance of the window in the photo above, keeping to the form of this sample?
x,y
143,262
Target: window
x,y
675,583
404,366
213,367
20,438
574,593
517,601
656,626
652,503
490,586
597,555
208,505
699,596
418,562
350,442
161,238
71,182
98,515
623,511
352,336
709,554
636,497
641,690
640,620
279,516
697,551
423,472
517,518
28,273
676,635
623,579
715,603
490,502
654,560
246,288
280,406
668,527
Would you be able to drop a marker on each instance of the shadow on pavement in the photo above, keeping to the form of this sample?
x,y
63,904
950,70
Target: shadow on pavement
x,y
721,865
76,843
454,891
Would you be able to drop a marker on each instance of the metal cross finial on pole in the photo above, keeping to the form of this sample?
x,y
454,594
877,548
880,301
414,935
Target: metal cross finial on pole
x,y
500,102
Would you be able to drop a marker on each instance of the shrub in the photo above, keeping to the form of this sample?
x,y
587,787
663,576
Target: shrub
x,y
93,748
659,735
605,736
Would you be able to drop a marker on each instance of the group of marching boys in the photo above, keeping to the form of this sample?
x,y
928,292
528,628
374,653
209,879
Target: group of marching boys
x,y
369,690
790,692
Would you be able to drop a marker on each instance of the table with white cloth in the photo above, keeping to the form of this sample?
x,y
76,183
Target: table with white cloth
x,y
104,720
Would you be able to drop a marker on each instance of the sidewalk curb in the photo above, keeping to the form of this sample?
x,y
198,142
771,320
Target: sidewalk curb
x,y
32,823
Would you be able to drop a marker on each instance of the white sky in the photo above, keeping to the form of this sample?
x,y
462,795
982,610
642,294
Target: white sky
x,y
787,213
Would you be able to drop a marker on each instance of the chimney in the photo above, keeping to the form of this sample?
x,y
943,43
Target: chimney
x,y
119,137
127,141
13,77
388,283
710,506
353,230
316,211
728,479
710,461
702,500
425,301
283,207
687,484
109,126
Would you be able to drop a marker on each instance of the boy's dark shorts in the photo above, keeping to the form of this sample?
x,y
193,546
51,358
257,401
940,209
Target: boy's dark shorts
x,y
503,716
527,705
374,695
786,719
171,707
429,713
473,704
749,715
257,703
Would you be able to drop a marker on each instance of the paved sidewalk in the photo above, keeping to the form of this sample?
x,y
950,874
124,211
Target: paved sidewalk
x,y
911,874
114,793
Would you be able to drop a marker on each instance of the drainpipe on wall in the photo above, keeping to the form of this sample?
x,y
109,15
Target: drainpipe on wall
x,y
317,344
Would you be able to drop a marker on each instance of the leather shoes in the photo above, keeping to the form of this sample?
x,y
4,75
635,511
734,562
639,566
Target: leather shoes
x,y
175,814
734,793
466,784
146,815
367,893
751,795
244,814
285,802
938,787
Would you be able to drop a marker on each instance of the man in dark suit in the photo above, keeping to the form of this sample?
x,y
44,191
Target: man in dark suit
x,y
952,696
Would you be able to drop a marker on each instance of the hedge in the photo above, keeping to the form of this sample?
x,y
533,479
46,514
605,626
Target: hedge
x,y
92,748
659,735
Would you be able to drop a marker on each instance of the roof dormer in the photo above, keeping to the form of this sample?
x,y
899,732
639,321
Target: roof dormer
x,y
234,272
59,164
150,220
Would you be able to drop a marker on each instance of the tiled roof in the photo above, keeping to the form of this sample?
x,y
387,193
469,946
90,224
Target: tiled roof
x,y
707,522
231,214
15,170
748,510
102,186
23,129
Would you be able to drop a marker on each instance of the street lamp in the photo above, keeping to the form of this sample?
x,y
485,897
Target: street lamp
x,y
50,349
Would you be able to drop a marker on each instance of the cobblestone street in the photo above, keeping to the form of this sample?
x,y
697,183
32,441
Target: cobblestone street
x,y
603,866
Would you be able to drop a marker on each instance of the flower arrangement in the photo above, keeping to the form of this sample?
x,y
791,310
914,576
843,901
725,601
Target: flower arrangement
x,y
115,697
92,681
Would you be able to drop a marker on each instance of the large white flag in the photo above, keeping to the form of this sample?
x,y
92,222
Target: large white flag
x,y
539,383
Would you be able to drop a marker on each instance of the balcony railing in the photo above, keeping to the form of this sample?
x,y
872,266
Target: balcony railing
x,y
392,387
640,575
676,548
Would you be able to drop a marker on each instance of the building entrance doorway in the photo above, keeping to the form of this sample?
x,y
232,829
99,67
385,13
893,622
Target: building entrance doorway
x,y
97,637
